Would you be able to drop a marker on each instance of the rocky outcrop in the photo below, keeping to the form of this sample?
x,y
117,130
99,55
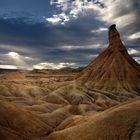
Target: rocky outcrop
x,y
114,70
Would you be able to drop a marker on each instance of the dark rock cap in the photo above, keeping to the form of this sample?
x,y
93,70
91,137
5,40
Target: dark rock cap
x,y
114,36
112,27
115,41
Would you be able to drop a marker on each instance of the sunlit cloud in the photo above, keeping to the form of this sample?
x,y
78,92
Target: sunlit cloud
x,y
93,46
99,30
14,60
13,55
17,58
133,51
137,59
54,20
8,67
47,65
72,9
103,10
134,36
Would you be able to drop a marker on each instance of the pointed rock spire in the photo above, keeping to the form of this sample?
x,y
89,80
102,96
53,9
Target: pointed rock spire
x,y
113,34
113,70
114,38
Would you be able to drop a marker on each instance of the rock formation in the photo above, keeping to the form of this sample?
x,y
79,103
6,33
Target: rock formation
x,y
114,70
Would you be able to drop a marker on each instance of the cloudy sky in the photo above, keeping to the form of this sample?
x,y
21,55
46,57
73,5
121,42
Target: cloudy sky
x,y
63,33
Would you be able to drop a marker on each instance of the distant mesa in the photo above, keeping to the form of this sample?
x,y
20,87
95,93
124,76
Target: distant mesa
x,y
8,70
113,70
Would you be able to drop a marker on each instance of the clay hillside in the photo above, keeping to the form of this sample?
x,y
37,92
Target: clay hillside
x,y
119,123
113,70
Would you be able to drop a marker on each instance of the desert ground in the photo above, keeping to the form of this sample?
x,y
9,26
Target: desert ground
x,y
98,102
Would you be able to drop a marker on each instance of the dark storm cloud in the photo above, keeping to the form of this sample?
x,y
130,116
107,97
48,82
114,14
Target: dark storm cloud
x,y
18,32
75,33
50,41
24,30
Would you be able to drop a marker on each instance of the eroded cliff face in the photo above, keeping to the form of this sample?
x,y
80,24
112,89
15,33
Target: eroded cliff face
x,y
113,70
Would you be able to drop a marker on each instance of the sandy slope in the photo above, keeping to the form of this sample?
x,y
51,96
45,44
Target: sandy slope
x,y
119,123
18,123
